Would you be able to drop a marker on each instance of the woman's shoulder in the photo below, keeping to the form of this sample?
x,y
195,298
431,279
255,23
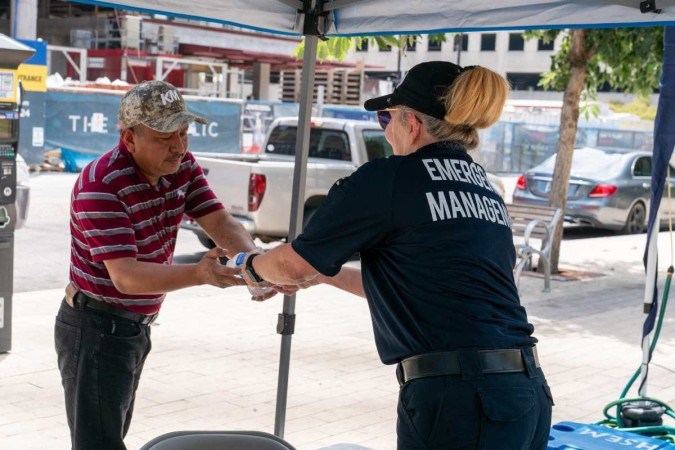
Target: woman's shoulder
x,y
388,163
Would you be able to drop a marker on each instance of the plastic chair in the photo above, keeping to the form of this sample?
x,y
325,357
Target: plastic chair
x,y
217,440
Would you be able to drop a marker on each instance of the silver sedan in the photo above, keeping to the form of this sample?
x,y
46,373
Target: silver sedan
x,y
608,188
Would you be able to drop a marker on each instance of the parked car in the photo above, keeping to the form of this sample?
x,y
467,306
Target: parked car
x,y
496,183
608,188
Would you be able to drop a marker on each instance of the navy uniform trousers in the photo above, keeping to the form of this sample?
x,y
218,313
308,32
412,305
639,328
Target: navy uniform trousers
x,y
100,358
505,411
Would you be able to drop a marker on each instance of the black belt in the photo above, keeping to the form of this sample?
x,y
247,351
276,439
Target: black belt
x,y
448,363
83,301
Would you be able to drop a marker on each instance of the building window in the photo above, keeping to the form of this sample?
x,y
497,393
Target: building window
x,y
433,46
541,46
385,48
516,42
487,42
460,42
411,46
524,81
364,46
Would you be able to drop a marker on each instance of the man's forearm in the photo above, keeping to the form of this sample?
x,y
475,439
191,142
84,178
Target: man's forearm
x,y
131,276
137,277
226,232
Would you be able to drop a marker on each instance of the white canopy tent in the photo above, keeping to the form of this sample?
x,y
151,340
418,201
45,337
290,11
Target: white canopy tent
x,y
377,17
317,19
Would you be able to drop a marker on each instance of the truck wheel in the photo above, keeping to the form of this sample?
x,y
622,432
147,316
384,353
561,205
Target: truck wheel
x,y
206,242
635,223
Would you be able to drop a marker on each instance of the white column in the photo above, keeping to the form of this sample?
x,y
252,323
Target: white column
x,y
23,19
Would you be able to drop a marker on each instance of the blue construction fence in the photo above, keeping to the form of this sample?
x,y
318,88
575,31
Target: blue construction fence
x,y
83,124
510,147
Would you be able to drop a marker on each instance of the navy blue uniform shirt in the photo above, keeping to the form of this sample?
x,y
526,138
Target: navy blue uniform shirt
x,y
436,249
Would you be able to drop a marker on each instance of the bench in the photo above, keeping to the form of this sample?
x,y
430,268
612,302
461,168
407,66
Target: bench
x,y
534,222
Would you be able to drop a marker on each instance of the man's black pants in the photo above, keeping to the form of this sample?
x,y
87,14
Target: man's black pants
x,y
506,411
100,358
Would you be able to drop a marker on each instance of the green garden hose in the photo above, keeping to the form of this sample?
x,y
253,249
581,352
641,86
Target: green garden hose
x,y
664,432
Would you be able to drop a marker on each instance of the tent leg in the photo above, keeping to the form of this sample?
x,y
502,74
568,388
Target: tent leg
x,y
297,209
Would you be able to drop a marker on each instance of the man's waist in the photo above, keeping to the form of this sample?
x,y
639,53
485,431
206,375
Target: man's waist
x,y
80,301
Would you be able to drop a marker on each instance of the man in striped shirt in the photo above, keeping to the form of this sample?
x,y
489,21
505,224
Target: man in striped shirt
x,y
126,208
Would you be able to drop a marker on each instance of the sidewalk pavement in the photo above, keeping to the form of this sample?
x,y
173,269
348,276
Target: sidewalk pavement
x,y
215,359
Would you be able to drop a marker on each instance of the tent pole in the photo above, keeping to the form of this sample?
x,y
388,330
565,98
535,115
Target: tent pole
x,y
287,318
664,141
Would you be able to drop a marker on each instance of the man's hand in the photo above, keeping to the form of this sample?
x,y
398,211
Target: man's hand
x,y
210,271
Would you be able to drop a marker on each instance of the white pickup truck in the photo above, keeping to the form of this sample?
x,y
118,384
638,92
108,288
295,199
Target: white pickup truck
x,y
256,188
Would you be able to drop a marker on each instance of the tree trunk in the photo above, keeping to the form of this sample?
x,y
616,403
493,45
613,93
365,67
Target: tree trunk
x,y
578,59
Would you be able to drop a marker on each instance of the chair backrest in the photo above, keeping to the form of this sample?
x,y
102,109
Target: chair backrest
x,y
217,440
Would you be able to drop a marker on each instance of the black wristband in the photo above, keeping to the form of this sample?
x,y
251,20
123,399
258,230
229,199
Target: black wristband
x,y
250,271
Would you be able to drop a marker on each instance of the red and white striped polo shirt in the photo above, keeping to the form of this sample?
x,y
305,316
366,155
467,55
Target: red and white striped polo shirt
x,y
116,213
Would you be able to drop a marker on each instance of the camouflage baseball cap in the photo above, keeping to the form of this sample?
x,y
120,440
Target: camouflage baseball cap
x,y
157,105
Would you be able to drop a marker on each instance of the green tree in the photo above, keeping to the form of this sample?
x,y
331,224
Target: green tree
x,y
338,47
626,59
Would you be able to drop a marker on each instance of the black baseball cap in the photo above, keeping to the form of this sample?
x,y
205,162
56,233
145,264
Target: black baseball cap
x,y
421,89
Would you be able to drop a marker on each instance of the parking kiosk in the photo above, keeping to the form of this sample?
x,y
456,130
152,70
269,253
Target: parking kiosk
x,y
12,53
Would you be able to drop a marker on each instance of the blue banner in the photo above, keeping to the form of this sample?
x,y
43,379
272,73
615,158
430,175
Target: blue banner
x,y
86,124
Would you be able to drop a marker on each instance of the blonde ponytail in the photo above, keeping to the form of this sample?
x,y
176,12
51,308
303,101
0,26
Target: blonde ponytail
x,y
476,98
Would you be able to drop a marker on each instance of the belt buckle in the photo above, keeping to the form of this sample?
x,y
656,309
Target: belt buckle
x,y
149,319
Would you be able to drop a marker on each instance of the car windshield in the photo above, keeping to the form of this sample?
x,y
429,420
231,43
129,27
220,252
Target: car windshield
x,y
323,143
376,144
589,162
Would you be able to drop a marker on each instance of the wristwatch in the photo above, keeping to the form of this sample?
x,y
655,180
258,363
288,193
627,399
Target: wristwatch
x,y
250,271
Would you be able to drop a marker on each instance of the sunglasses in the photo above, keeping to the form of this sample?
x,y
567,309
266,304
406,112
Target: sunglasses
x,y
384,117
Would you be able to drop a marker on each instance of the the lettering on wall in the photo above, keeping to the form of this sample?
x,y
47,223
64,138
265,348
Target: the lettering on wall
x,y
31,78
25,109
98,123
210,129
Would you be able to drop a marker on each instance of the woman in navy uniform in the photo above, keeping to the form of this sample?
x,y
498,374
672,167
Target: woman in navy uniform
x,y
437,260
